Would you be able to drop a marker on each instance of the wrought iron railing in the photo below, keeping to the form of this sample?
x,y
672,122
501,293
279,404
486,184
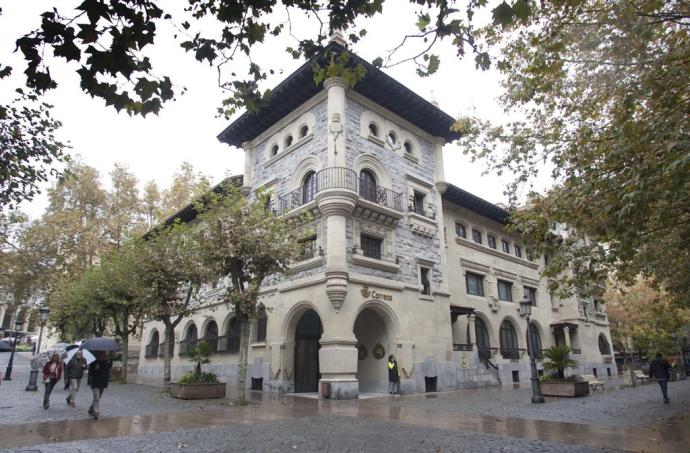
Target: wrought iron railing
x,y
161,350
492,368
510,353
336,178
293,200
228,345
380,195
484,353
462,347
151,351
186,346
212,344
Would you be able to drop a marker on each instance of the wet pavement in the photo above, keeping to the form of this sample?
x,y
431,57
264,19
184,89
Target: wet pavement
x,y
449,421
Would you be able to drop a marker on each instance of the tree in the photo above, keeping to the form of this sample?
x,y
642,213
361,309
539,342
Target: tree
x,y
600,93
77,305
242,240
647,315
124,207
171,271
187,185
558,360
151,204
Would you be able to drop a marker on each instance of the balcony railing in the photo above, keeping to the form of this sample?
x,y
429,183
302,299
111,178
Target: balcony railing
x,y
212,344
161,350
510,353
484,353
186,346
151,351
462,347
228,345
338,178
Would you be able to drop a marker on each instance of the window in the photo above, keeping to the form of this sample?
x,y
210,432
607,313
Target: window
x,y
408,147
460,230
518,251
233,336
475,284
211,336
491,240
373,130
304,130
534,346
604,347
307,247
482,335
261,325
531,294
274,150
505,246
371,246
529,255
418,203
424,280
367,185
392,138
505,291
191,333
477,236
509,343
288,141
309,187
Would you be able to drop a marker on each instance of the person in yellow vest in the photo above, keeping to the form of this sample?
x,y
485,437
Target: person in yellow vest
x,y
393,376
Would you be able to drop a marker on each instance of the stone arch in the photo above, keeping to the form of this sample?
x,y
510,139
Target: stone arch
x,y
311,163
154,333
204,325
368,117
293,316
491,332
518,330
187,327
223,327
371,163
388,316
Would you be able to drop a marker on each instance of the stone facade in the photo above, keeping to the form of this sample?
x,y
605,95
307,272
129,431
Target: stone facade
x,y
384,268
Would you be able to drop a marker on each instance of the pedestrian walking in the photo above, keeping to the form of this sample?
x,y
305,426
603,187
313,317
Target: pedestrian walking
x,y
393,376
659,370
75,371
52,372
99,373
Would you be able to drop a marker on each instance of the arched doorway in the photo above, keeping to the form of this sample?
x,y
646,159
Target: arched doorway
x,y
482,335
373,341
307,336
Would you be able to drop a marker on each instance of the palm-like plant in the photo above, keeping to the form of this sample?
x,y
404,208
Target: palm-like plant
x,y
558,360
200,355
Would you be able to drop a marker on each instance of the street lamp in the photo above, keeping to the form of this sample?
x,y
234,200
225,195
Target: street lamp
x,y
43,313
8,372
526,311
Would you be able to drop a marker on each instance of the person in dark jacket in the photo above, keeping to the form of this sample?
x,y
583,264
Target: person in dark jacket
x,y
52,372
99,374
75,371
393,376
659,370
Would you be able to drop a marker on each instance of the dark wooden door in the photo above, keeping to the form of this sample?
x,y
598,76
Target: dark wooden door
x,y
307,353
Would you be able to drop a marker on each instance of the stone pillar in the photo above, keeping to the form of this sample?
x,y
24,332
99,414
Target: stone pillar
x,y
336,203
248,167
473,332
338,366
439,177
566,334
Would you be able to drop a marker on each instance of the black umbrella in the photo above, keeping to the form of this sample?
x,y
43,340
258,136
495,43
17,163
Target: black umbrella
x,y
101,344
5,346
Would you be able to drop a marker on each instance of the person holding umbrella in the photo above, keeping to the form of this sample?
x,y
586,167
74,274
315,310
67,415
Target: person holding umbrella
x,y
99,373
75,371
52,372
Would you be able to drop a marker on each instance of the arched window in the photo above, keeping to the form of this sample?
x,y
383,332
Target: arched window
x,y
261,326
604,347
274,150
408,147
373,129
233,336
482,335
211,336
288,141
303,131
535,347
367,185
189,341
509,343
192,334
392,138
152,347
309,187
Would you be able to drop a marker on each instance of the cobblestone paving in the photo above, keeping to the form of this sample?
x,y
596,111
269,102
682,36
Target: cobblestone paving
x,y
19,406
312,434
616,407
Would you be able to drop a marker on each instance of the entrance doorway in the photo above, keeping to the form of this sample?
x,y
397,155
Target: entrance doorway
x,y
307,347
372,335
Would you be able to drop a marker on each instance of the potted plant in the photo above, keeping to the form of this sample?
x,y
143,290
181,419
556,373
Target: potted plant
x,y
556,361
197,384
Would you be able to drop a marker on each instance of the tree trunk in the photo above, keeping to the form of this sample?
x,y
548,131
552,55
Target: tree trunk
x,y
125,354
242,360
167,355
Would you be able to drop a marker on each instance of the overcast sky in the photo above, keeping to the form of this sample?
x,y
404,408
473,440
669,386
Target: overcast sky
x,y
154,147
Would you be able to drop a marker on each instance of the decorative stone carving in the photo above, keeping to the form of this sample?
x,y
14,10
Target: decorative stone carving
x,y
494,304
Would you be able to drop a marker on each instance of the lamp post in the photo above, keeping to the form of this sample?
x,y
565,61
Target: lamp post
x,y
526,311
8,372
43,313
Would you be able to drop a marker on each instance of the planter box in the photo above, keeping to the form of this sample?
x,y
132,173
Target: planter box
x,y
197,391
571,389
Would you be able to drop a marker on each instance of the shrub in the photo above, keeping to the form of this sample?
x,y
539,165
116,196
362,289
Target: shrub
x,y
191,377
558,360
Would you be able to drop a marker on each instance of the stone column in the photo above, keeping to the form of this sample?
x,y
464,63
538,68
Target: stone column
x,y
440,187
566,334
248,167
473,332
336,119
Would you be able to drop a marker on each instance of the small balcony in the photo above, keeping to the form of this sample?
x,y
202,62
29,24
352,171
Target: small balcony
x,y
510,353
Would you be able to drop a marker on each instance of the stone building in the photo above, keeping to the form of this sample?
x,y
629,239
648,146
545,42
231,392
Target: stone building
x,y
394,260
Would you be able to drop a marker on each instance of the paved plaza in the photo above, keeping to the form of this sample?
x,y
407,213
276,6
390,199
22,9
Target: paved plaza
x,y
137,417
